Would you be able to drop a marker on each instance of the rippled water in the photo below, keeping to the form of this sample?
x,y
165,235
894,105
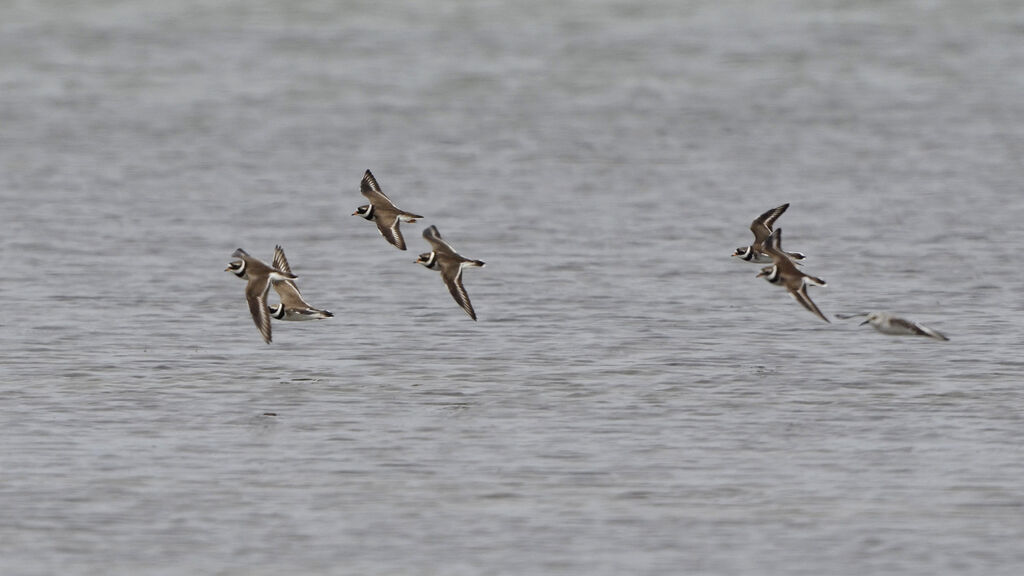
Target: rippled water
x,y
632,400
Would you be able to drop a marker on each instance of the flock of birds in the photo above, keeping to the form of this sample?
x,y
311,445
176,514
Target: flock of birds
x,y
784,271
766,248
381,210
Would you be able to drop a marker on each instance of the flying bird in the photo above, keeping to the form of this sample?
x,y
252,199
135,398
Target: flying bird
x,y
383,211
450,263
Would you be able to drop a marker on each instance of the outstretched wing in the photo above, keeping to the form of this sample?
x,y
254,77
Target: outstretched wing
x,y
918,329
280,262
256,294
801,296
762,225
434,238
452,276
387,225
289,292
372,191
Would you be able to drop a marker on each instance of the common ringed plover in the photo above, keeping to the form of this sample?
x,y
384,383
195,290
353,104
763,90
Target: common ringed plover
x,y
785,272
762,229
450,263
382,211
259,277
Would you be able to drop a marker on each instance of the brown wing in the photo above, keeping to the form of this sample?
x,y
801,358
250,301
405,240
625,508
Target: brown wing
x,y
773,248
287,290
289,294
280,262
451,273
372,191
801,296
440,246
387,224
256,294
762,225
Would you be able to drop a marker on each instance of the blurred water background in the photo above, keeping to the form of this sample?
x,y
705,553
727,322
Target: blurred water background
x,y
631,401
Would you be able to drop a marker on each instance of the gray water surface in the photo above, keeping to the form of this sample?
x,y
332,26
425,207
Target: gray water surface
x,y
631,401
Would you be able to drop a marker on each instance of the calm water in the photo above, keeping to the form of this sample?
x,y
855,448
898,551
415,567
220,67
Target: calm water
x,y
632,400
